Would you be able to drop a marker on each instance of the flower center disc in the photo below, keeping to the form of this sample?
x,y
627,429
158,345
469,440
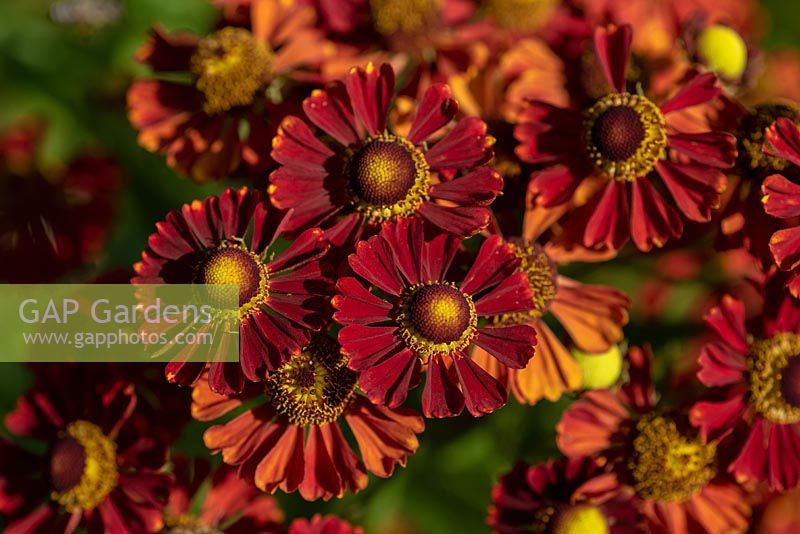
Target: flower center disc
x,y
232,264
666,465
313,387
618,132
229,66
520,15
187,524
580,519
440,313
83,467
391,16
625,136
774,368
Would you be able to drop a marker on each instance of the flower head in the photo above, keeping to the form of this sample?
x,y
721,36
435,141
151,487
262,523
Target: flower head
x,y
413,311
371,174
756,373
231,239
293,439
220,122
625,138
96,467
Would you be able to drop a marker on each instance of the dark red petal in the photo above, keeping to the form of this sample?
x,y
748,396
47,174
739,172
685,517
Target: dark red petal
x,y
749,465
311,245
495,261
295,145
465,146
716,149
513,346
718,419
511,295
613,47
610,222
555,185
785,247
405,239
783,464
478,188
457,220
437,256
695,188
783,140
388,382
320,478
371,93
441,396
225,378
482,392
330,111
548,134
653,221
436,109
356,305
720,365
368,345
698,90
167,52
374,262
727,320
781,197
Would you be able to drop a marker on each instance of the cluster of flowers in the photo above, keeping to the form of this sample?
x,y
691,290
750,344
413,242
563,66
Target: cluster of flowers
x,y
417,173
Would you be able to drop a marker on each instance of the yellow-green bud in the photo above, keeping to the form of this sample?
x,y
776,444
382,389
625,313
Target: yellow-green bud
x,y
600,370
723,51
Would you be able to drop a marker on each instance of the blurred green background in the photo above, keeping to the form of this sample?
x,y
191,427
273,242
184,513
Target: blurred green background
x,y
76,80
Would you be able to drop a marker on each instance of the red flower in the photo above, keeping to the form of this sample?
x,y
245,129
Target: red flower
x,y
411,312
564,495
96,469
52,221
229,502
373,175
293,440
656,453
319,524
625,139
781,199
754,373
230,240
592,315
221,122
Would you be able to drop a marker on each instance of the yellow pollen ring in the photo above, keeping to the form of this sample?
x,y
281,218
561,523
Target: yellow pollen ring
x,y
767,358
542,279
651,149
666,465
381,173
225,265
99,475
418,343
228,67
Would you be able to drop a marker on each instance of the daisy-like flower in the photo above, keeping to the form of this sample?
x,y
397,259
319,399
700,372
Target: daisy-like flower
x,y
228,505
52,220
372,174
293,439
219,122
756,373
230,239
592,315
413,311
656,453
563,496
95,468
780,198
625,139
319,524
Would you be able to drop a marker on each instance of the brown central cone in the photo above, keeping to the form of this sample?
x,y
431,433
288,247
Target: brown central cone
x,y
234,266
67,460
618,133
790,382
382,172
440,313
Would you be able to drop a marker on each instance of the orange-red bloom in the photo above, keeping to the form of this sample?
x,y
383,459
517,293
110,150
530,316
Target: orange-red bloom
x,y
293,440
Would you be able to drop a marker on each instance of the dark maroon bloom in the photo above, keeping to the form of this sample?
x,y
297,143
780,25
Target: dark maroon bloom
x,y
628,141
98,469
231,239
371,174
563,496
412,312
